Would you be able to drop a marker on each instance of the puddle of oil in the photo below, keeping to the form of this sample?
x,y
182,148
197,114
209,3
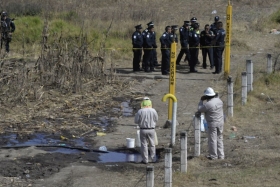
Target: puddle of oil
x,y
126,109
41,140
119,157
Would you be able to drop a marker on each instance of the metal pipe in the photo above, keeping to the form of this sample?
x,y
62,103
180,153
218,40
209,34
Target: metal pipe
x,y
174,114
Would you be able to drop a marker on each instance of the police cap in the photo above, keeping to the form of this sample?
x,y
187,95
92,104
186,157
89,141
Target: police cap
x,y
150,23
4,14
194,19
138,26
151,26
217,18
175,27
187,23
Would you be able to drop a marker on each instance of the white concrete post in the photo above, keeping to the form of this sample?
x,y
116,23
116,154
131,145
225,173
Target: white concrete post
x,y
230,97
168,168
184,151
244,87
249,70
197,122
269,63
150,176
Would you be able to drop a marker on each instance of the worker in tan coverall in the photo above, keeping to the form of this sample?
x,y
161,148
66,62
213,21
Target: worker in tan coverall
x,y
147,118
213,110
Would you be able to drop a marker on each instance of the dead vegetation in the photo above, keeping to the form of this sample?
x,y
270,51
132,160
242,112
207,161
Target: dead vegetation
x,y
66,82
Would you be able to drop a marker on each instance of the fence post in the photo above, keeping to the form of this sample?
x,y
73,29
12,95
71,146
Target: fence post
x,y
249,70
184,151
244,87
269,63
168,168
197,121
230,97
150,176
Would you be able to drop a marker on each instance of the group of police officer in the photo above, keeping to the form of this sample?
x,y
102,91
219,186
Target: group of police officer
x,y
210,41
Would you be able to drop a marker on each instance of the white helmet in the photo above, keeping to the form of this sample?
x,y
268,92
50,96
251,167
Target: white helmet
x,y
209,92
146,98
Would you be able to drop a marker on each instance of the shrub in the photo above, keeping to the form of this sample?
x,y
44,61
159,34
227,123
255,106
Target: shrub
x,y
276,17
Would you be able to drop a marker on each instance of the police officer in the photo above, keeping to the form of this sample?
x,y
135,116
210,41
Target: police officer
x,y
206,37
165,50
137,43
154,51
7,28
194,47
193,21
219,47
184,40
148,44
213,26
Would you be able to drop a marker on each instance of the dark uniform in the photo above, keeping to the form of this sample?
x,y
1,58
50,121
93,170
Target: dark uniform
x,y
219,47
184,40
206,38
154,51
165,51
194,43
137,42
148,42
7,27
194,21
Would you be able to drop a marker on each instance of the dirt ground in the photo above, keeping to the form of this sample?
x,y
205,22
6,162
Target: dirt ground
x,y
44,167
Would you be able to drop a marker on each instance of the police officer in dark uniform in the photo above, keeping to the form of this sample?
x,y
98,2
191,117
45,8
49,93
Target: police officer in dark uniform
x,y
137,42
213,26
193,21
148,44
165,50
194,47
184,40
7,28
206,37
154,51
219,47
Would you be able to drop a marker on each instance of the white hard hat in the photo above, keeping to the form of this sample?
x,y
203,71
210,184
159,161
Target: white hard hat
x,y
209,92
146,98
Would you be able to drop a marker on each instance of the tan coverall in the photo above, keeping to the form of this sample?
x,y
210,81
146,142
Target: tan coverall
x,y
214,116
147,118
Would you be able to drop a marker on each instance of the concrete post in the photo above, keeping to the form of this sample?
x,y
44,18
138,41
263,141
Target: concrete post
x,y
244,87
197,122
168,168
249,70
230,97
269,63
184,151
150,176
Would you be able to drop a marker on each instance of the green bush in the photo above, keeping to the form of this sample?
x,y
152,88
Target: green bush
x,y
276,17
28,28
